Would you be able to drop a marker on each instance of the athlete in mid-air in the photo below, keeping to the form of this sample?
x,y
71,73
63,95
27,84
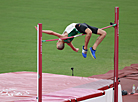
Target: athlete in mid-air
x,y
74,29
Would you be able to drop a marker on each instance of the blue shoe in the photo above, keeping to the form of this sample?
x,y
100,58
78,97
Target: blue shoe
x,y
84,52
92,52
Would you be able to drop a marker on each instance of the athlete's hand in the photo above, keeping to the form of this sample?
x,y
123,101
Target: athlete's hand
x,y
77,49
35,27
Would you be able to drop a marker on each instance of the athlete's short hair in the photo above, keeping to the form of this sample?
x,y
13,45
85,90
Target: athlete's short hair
x,y
60,46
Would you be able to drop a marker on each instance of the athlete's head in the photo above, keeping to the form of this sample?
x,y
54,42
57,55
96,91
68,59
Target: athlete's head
x,y
60,45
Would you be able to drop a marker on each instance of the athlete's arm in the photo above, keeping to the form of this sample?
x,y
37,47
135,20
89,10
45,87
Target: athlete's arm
x,y
51,33
73,48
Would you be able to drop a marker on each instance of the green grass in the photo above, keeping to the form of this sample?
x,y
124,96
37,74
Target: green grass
x,y
18,35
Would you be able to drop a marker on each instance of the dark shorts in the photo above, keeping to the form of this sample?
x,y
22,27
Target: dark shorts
x,y
81,27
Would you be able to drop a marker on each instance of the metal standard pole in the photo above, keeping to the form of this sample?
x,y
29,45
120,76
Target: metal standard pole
x,y
39,63
116,51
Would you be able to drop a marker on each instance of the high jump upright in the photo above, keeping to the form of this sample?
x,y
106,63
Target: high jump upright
x,y
39,63
116,54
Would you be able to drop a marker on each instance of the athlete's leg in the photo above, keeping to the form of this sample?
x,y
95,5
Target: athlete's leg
x,y
83,28
102,34
87,37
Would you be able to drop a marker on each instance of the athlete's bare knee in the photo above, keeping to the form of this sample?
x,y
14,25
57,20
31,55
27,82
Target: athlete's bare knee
x,y
88,32
104,33
101,32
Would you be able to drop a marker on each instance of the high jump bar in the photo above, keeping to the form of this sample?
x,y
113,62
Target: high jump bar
x,y
112,25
